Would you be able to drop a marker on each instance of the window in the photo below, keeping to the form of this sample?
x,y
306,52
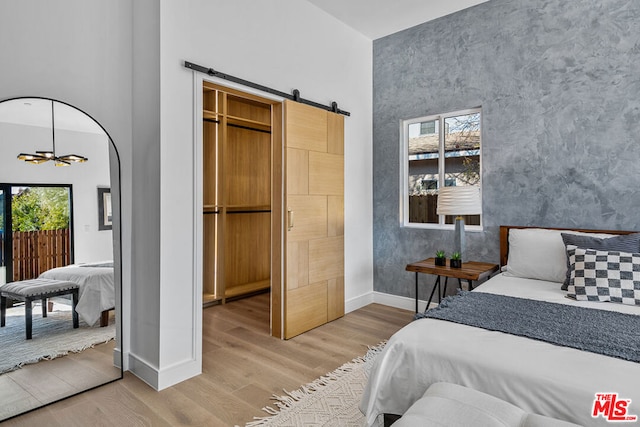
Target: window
x,y
34,216
440,150
428,128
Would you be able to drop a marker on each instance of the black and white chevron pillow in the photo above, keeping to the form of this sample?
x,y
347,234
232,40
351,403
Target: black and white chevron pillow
x,y
604,275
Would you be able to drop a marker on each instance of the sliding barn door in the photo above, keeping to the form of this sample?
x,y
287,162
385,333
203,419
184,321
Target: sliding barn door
x,y
314,219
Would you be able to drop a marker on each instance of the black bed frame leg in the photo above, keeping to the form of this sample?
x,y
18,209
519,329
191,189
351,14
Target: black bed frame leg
x,y
74,297
3,311
28,312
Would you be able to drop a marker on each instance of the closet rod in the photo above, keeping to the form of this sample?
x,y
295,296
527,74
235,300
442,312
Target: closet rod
x,y
238,126
294,96
250,211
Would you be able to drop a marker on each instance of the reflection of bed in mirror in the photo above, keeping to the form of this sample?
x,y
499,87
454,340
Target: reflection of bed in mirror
x,y
97,291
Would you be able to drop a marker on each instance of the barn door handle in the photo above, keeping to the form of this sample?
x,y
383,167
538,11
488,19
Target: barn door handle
x,y
289,219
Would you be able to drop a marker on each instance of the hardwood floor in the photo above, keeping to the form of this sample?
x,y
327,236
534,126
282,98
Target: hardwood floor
x,y
44,382
37,384
242,367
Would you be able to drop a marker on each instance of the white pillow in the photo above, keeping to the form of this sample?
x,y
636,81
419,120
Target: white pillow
x,y
537,253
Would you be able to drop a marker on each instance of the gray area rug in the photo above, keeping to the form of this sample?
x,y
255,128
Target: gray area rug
x,y
53,337
331,400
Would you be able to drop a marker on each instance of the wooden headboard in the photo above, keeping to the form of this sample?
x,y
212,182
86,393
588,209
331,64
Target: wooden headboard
x,y
504,237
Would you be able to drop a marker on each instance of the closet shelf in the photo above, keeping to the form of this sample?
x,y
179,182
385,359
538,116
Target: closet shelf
x,y
237,121
248,208
208,298
248,123
210,115
247,288
236,208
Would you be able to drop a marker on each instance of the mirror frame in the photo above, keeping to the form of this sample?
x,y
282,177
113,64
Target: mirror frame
x,y
117,249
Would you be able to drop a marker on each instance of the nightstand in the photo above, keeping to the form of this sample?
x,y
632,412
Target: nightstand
x,y
470,271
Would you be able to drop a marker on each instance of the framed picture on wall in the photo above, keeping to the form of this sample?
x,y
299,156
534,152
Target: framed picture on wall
x,y
105,212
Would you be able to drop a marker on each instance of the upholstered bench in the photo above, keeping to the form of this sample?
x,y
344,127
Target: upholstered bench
x,y
36,289
445,404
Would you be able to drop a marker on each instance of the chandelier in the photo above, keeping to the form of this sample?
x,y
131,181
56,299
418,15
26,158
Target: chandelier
x,y
45,156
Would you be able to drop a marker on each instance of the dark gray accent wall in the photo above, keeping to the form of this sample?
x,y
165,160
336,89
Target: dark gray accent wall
x,y
559,86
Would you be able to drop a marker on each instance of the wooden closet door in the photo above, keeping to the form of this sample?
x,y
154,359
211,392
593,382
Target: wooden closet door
x,y
314,233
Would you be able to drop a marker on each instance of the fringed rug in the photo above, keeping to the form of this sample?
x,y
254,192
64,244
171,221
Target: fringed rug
x,y
331,400
53,336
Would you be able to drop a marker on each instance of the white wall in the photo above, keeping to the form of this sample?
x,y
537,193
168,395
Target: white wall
x,y
90,244
79,52
144,357
284,44
114,58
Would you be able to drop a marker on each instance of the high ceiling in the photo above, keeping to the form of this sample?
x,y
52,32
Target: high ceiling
x,y
37,112
379,18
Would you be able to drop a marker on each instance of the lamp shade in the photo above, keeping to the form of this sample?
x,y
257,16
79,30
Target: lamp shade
x,y
459,201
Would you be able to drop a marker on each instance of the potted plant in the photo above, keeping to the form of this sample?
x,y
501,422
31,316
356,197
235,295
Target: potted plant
x,y
456,260
441,258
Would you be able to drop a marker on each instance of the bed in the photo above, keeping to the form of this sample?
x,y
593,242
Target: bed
x,y
539,377
97,290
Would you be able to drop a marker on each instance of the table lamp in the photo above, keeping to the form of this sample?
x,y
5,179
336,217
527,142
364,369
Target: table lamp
x,y
459,201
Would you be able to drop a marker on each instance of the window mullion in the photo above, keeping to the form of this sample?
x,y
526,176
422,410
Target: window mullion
x,y
405,172
441,161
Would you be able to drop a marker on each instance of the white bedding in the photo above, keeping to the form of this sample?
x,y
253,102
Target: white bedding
x,y
539,377
97,290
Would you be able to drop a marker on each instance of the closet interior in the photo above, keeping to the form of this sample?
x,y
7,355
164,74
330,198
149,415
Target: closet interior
x,y
237,193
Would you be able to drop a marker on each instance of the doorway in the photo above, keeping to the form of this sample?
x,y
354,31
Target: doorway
x,y
36,229
238,137
272,206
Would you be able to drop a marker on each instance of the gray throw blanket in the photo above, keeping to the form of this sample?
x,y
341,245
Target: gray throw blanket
x,y
598,331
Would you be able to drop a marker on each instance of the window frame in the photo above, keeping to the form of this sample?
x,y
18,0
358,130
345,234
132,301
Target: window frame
x,y
404,168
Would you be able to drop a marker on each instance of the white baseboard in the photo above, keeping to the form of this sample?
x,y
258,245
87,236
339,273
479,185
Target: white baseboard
x,y
385,299
143,370
396,301
360,301
179,372
116,359
165,377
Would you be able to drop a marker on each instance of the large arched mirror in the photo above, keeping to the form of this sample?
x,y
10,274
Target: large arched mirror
x,y
60,254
